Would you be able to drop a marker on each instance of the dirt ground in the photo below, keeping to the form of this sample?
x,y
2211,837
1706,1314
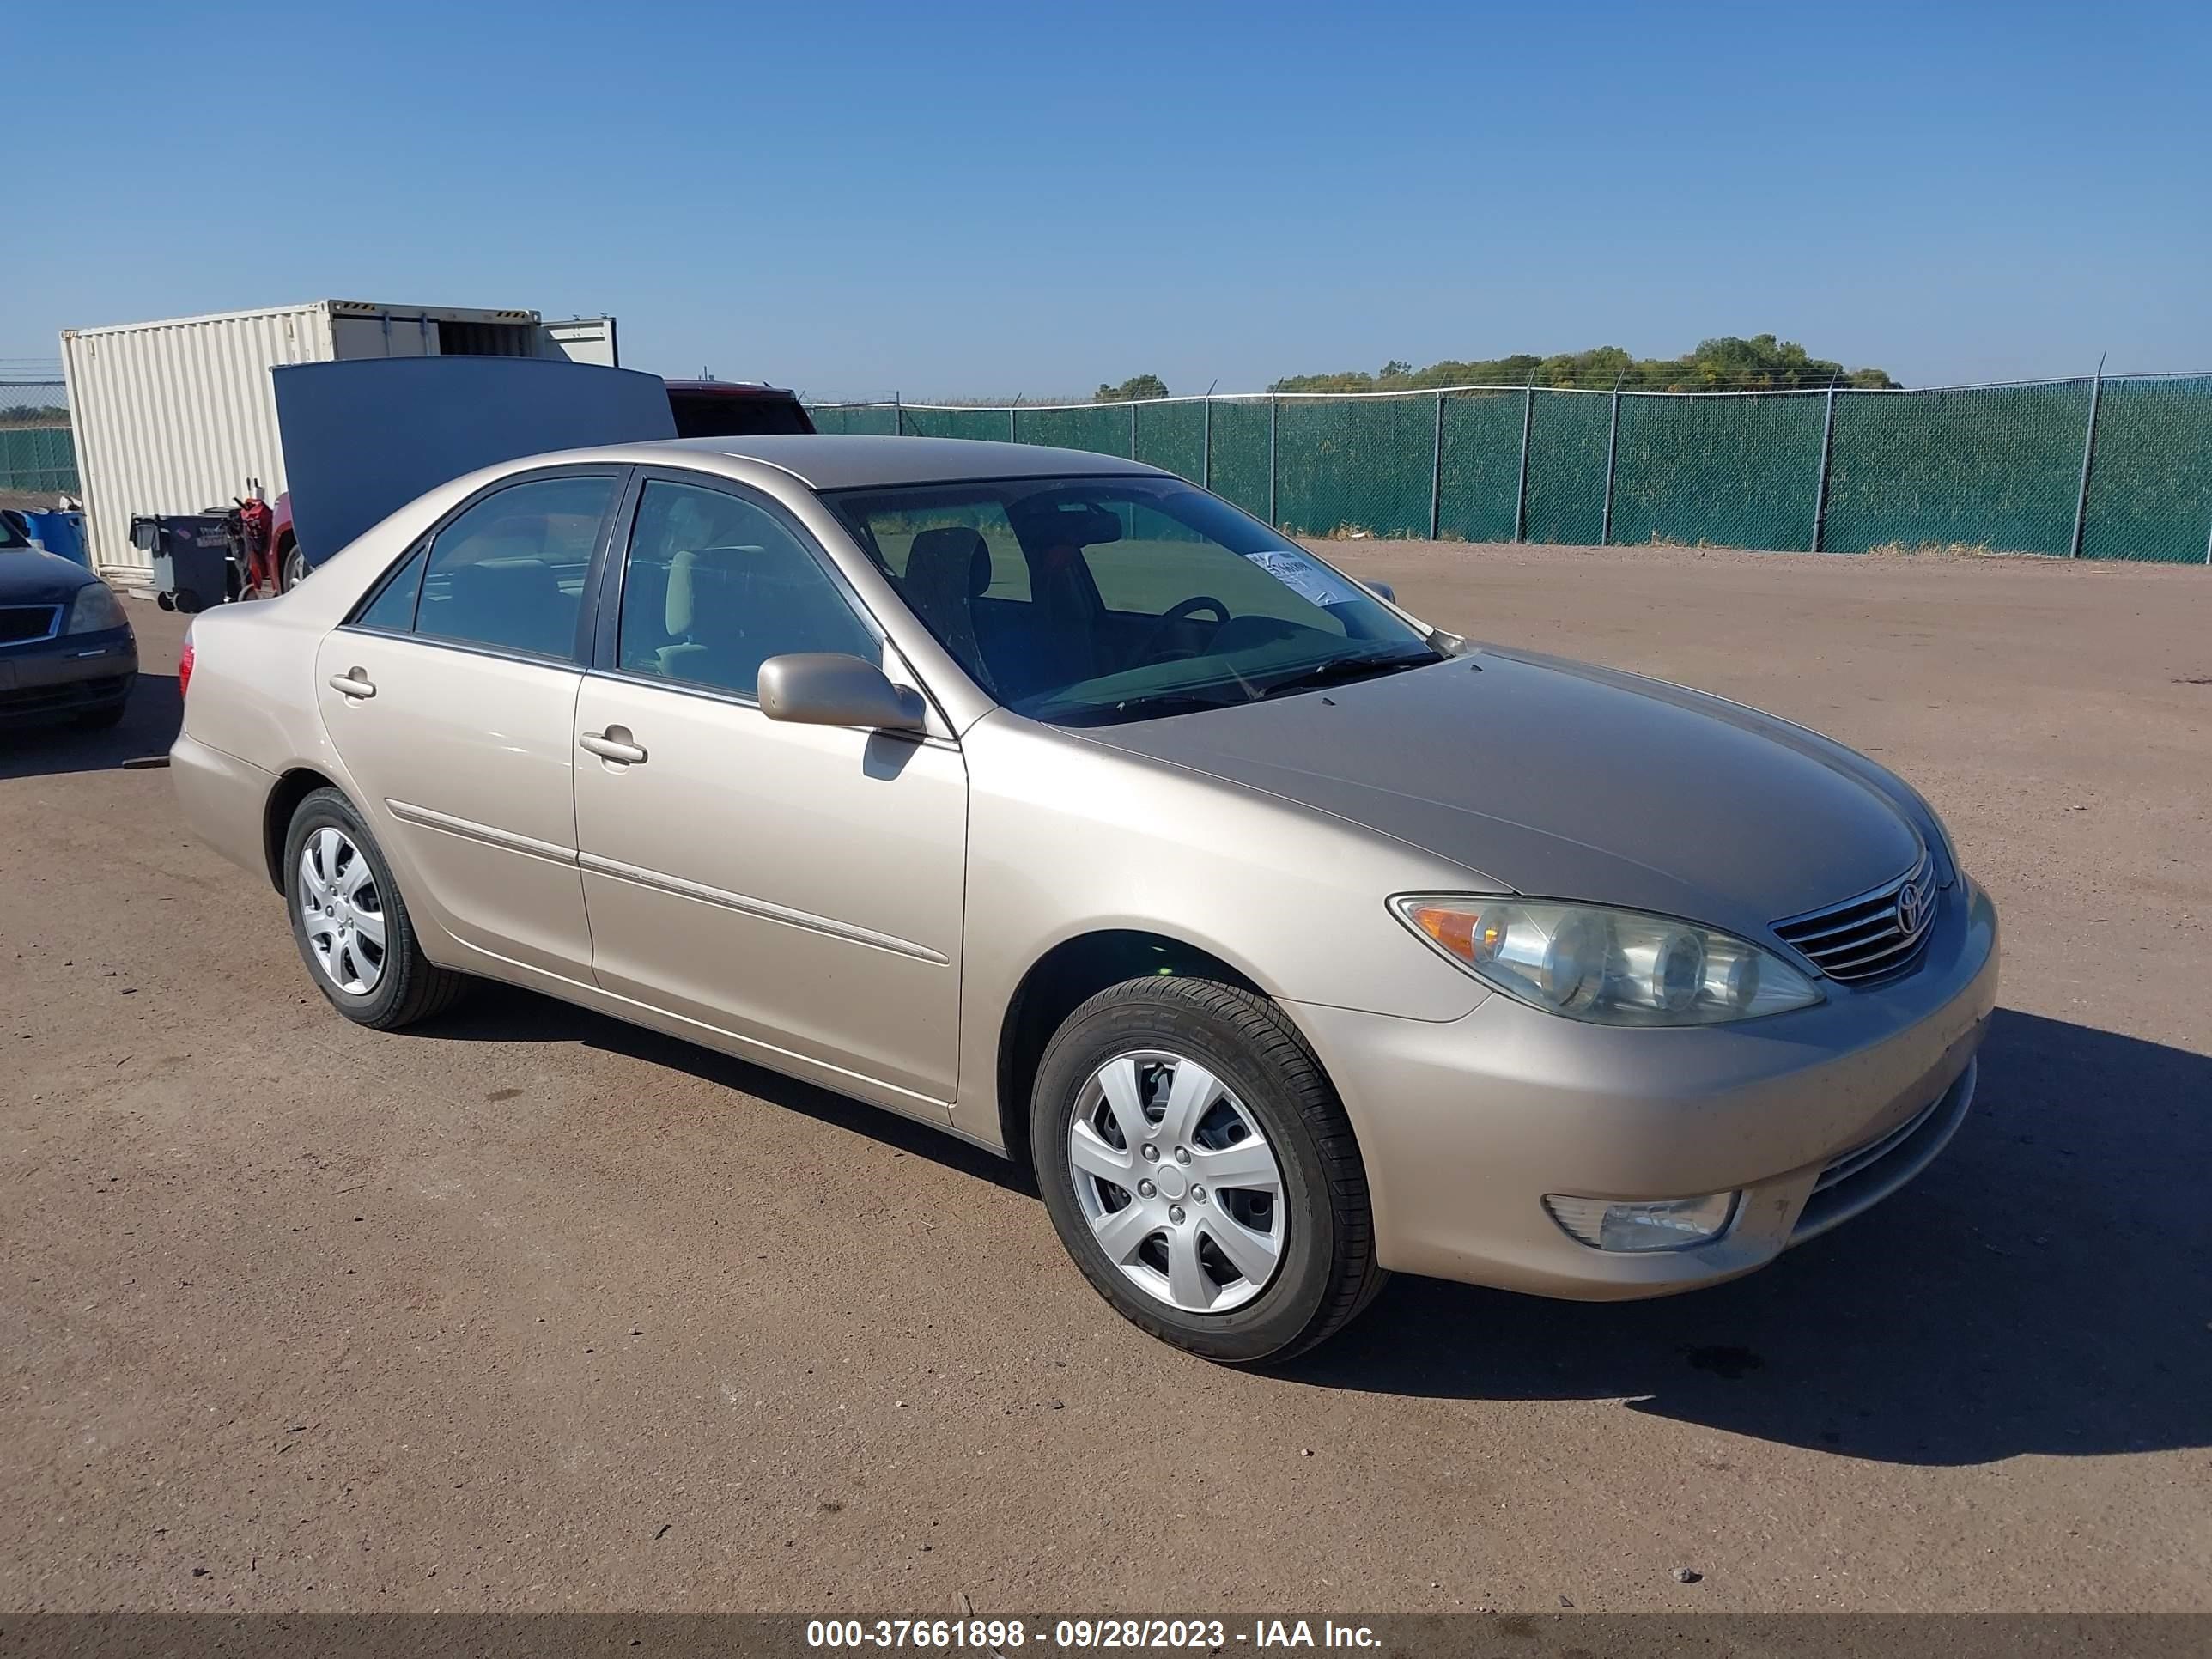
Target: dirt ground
x,y
532,1310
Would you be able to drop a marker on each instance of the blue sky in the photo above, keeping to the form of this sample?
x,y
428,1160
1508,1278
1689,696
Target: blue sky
x,y
949,199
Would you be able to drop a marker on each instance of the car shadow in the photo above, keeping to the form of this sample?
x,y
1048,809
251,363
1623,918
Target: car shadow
x,y
149,725
503,1013
2042,1288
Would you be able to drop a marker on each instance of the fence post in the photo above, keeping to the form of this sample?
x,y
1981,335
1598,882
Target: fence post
x,y
2088,451
1521,495
1205,445
1012,429
1437,471
898,415
1821,480
1274,523
1133,428
1611,454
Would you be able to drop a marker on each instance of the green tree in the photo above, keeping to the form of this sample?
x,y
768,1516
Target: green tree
x,y
1135,387
1725,363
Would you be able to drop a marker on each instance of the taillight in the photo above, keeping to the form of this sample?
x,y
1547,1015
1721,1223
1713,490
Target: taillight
x,y
184,667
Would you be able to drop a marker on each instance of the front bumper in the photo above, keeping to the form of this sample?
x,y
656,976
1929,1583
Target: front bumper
x,y
72,674
1464,1125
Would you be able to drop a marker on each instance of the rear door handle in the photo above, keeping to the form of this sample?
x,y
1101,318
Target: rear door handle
x,y
353,684
613,744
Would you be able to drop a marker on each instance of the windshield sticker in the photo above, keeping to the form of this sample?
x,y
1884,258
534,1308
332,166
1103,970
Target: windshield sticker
x,y
1305,578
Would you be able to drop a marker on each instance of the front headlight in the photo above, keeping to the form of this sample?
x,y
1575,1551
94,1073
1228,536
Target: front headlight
x,y
96,610
1611,967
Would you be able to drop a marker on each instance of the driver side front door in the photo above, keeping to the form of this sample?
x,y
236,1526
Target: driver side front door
x,y
793,894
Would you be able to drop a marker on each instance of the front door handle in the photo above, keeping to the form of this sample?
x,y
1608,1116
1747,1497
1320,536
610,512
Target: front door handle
x,y
353,684
614,744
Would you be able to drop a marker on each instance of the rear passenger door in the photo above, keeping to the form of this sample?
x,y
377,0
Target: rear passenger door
x,y
795,889
451,695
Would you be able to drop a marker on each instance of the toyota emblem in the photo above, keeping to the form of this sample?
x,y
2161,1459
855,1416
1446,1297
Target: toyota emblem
x,y
1909,909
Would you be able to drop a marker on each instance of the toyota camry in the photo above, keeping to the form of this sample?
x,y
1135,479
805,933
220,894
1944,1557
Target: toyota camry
x,y
1052,801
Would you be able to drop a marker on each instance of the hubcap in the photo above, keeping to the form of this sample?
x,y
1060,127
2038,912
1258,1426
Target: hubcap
x,y
341,912
1179,1184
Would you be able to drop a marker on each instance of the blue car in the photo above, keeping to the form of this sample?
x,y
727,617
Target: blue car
x,y
66,648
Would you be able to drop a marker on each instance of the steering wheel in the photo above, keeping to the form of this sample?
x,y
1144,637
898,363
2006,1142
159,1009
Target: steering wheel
x,y
1180,611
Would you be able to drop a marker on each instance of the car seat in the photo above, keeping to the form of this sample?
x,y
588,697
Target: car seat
x,y
947,569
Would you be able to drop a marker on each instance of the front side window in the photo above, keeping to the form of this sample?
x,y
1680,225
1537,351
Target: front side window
x,y
714,585
509,571
1086,601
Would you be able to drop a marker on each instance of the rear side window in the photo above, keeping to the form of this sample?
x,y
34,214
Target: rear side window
x,y
509,572
394,608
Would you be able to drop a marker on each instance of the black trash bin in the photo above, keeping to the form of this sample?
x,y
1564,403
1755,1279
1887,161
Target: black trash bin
x,y
196,557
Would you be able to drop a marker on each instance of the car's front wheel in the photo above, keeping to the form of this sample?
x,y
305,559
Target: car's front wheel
x,y
294,569
352,925
1201,1171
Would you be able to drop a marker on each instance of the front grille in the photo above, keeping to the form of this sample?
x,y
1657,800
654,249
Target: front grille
x,y
1875,1150
72,696
1873,936
26,624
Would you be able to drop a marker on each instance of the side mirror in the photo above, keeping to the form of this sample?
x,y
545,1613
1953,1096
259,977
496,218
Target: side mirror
x,y
1382,591
828,688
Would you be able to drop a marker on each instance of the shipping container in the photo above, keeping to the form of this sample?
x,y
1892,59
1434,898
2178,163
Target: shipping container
x,y
179,416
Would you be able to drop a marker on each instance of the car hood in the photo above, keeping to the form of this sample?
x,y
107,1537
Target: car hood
x,y
1563,781
30,575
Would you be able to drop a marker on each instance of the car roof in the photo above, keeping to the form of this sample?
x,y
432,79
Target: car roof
x,y
827,461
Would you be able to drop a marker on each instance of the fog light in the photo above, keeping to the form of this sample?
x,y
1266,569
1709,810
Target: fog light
x,y
1673,1224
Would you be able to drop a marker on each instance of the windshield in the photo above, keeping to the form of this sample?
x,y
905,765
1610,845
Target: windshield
x,y
1088,601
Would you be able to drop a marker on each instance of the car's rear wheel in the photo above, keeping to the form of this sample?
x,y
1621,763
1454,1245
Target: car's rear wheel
x,y
352,925
1201,1171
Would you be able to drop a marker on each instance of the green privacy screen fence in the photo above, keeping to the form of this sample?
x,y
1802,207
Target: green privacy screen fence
x,y
37,452
2101,468
38,458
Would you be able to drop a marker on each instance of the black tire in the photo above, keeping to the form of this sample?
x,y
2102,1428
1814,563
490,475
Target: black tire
x,y
293,570
1326,1271
410,987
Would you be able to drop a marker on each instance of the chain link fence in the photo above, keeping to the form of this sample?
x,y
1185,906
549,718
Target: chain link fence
x,y
2099,468
38,455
